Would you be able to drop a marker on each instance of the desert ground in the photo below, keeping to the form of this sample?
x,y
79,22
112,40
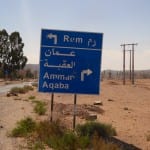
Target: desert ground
x,y
126,107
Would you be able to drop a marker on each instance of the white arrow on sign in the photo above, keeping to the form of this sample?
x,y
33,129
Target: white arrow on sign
x,y
52,36
85,72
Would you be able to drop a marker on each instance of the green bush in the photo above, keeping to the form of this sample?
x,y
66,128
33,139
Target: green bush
x,y
24,127
21,90
89,128
68,141
40,108
31,97
55,135
83,141
16,90
35,145
38,146
28,88
47,129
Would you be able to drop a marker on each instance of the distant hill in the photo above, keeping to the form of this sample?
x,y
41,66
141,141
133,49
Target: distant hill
x,y
105,73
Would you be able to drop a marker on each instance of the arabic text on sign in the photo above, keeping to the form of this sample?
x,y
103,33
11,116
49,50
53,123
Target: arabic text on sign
x,y
62,65
52,52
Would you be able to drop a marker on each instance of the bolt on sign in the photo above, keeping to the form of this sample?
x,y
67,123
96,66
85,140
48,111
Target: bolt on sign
x,y
70,62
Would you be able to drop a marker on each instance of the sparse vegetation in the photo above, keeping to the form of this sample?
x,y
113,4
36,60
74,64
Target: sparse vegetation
x,y
35,145
89,128
31,97
57,136
21,90
24,127
17,90
28,88
40,107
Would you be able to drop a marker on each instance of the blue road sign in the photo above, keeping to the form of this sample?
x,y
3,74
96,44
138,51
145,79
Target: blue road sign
x,y
70,62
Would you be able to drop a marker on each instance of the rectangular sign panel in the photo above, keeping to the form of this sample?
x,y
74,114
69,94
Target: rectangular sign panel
x,y
70,62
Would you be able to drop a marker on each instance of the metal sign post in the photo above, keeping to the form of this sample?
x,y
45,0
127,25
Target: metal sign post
x,y
75,111
52,103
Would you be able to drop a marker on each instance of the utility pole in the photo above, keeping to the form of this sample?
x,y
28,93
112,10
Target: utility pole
x,y
130,65
124,79
130,75
124,50
134,44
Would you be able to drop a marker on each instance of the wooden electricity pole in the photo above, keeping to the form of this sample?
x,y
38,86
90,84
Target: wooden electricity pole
x,y
134,44
130,75
130,65
124,50
124,77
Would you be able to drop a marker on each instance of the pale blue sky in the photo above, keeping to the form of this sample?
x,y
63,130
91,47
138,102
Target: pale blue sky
x,y
121,21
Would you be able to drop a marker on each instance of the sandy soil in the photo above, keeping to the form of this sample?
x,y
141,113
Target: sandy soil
x,y
126,107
